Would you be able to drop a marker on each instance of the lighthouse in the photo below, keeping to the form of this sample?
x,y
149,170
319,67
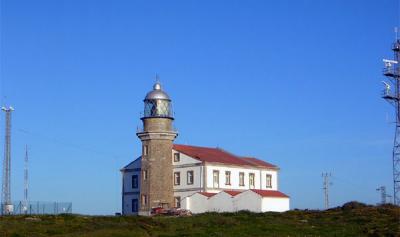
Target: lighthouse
x,y
157,136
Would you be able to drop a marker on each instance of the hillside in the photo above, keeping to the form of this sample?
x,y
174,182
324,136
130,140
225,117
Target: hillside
x,y
352,219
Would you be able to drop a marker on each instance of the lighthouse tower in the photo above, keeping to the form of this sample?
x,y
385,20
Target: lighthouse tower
x,y
156,185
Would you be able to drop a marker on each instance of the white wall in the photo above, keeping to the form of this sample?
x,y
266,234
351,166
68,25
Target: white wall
x,y
186,164
127,203
129,193
197,178
275,177
183,195
223,202
196,203
127,181
220,202
247,200
259,183
275,204
184,159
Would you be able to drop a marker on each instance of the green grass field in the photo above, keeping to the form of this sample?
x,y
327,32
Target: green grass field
x,y
352,219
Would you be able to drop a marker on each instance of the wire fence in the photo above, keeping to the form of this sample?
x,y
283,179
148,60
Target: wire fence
x,y
39,208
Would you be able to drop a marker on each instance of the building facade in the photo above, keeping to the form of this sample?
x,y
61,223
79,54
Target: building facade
x,y
172,175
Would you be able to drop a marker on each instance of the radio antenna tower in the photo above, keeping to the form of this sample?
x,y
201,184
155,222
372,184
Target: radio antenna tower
x,y
7,207
326,185
384,196
392,72
25,204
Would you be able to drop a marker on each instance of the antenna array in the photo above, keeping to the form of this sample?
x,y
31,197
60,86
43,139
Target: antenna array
x,y
392,71
326,185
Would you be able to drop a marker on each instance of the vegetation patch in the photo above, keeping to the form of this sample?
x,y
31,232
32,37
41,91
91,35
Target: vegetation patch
x,y
351,219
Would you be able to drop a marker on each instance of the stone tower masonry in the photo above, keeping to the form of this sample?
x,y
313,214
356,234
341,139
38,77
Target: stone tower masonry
x,y
157,136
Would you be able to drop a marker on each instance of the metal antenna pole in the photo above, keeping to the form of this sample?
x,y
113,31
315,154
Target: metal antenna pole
x,y
326,185
382,189
26,181
392,71
7,207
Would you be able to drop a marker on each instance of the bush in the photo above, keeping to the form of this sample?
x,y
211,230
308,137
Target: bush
x,y
353,205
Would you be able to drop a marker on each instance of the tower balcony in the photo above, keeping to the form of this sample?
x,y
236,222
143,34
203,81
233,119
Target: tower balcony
x,y
391,72
396,46
389,96
140,129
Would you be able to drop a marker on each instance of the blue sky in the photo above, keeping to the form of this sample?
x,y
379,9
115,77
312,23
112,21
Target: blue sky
x,y
296,83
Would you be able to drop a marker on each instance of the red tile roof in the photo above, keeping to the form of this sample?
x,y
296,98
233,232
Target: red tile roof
x,y
258,162
269,193
217,155
232,193
207,194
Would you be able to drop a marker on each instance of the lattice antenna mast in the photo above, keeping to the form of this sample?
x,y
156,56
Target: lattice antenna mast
x,y
326,185
6,206
25,207
384,195
392,72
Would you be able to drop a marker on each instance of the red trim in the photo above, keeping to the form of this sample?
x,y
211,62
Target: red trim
x,y
207,194
269,193
232,193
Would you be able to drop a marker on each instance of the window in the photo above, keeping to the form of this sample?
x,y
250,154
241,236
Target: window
x,y
269,181
177,202
134,181
227,178
251,180
241,179
157,108
144,174
216,179
135,206
177,178
145,150
190,177
177,157
144,200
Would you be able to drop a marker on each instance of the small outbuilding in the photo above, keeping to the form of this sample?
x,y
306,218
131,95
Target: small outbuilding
x,y
254,200
197,202
222,201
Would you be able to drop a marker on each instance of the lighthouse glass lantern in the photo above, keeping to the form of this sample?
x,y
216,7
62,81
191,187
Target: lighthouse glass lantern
x,y
157,103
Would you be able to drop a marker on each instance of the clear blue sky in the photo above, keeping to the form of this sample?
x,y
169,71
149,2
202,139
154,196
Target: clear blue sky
x,y
296,83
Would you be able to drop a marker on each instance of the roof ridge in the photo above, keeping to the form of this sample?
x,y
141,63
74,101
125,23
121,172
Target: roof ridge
x,y
220,155
130,163
195,146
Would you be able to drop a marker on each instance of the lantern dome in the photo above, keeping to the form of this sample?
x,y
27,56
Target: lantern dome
x,y
157,93
157,103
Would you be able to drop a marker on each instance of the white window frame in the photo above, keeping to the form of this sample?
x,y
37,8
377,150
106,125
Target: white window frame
x,y
177,178
241,179
177,202
177,157
252,180
227,178
268,180
190,177
216,178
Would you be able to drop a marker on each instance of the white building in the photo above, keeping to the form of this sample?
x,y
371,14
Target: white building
x,y
200,172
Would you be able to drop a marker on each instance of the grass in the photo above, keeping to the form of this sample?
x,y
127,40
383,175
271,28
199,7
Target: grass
x,y
352,219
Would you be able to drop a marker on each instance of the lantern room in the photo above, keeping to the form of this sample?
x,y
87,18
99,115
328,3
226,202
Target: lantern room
x,y
157,103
